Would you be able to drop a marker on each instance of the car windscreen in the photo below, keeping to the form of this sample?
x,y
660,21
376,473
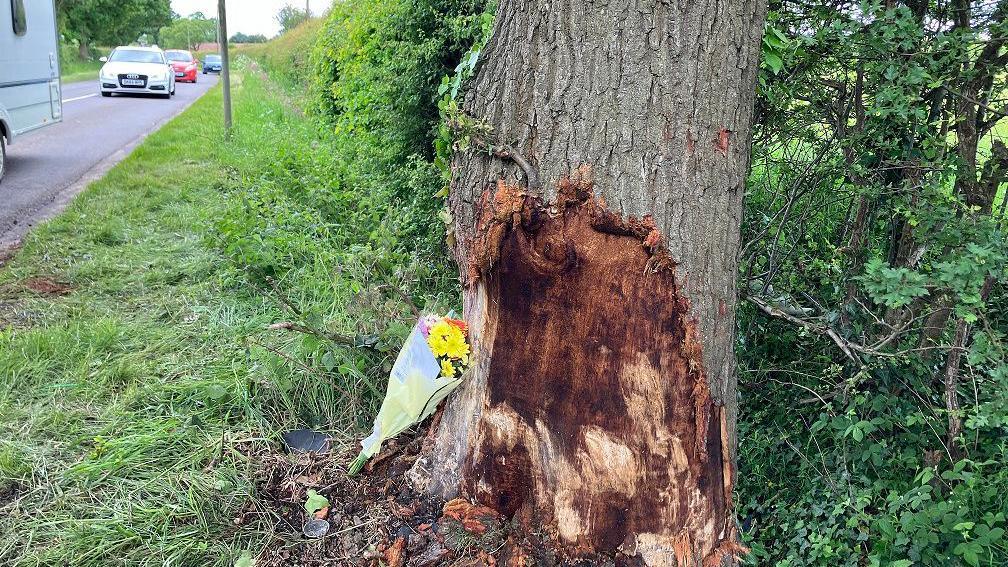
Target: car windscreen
x,y
183,56
136,56
212,59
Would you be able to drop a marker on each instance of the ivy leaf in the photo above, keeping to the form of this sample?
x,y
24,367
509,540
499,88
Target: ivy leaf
x,y
315,502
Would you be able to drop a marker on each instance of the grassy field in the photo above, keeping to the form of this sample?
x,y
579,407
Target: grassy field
x,y
131,389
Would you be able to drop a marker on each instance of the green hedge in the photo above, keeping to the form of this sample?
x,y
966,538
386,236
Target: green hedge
x,y
377,68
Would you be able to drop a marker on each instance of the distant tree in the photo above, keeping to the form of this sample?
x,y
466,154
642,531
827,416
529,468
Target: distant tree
x,y
110,22
289,17
189,32
244,38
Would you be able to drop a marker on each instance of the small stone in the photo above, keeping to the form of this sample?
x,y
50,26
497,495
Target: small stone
x,y
316,528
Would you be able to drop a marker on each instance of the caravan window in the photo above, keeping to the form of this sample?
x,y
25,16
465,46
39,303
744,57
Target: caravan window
x,y
19,17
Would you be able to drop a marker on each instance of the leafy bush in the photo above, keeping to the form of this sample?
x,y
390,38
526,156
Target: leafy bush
x,y
864,224
378,66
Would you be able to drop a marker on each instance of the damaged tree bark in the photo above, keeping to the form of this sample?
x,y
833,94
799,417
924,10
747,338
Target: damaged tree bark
x,y
600,407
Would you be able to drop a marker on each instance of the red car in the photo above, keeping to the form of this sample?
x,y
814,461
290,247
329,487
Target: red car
x,y
184,65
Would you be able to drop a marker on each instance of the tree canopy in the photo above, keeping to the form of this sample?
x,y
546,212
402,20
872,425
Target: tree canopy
x,y
245,38
289,17
188,32
111,22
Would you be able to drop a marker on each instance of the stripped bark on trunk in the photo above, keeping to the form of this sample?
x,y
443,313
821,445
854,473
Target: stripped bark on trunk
x,y
600,409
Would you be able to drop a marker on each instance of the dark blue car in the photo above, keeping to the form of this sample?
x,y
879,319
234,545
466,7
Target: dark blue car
x,y
211,64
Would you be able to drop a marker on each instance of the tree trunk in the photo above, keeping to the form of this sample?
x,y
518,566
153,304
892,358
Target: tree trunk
x,y
600,407
951,380
83,51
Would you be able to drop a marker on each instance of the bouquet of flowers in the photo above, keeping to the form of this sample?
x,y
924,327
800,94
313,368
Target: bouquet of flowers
x,y
428,368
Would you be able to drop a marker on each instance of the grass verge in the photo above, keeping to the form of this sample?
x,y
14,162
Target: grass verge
x,y
132,391
72,71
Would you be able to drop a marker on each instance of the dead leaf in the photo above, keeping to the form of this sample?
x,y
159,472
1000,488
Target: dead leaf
x,y
401,511
310,481
394,554
472,518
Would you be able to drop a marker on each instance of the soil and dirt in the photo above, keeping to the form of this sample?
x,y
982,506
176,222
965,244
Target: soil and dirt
x,y
374,518
46,286
378,519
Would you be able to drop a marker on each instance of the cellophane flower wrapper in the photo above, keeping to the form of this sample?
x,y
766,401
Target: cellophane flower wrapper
x,y
415,388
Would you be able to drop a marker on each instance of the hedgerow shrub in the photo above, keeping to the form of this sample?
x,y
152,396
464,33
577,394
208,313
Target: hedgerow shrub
x,y
369,179
846,457
378,66
288,57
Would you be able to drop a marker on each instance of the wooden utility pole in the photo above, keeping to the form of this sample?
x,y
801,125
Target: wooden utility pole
x,y
225,64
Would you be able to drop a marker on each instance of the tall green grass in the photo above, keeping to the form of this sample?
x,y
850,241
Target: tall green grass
x,y
131,407
73,70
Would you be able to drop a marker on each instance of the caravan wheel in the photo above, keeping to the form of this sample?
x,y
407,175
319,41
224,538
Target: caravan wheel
x,y
3,156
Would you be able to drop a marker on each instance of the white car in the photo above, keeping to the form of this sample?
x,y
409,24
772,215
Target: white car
x,y
134,69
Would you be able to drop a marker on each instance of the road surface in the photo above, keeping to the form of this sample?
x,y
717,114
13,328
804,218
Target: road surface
x,y
48,167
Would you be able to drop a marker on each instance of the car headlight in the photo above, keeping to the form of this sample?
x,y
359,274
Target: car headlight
x,y
104,74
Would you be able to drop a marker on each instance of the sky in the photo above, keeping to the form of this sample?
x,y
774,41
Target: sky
x,y
248,16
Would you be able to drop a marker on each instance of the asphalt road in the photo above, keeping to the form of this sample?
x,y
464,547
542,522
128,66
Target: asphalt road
x,y
48,167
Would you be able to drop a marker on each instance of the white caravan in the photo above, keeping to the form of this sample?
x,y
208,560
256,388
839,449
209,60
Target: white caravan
x,y
29,70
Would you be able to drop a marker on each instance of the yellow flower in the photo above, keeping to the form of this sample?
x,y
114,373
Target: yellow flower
x,y
438,344
447,370
445,339
456,346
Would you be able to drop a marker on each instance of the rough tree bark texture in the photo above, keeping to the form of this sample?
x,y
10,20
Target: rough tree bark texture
x,y
601,405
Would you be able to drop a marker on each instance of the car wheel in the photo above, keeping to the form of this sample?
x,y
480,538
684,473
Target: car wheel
x,y
106,94
165,96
